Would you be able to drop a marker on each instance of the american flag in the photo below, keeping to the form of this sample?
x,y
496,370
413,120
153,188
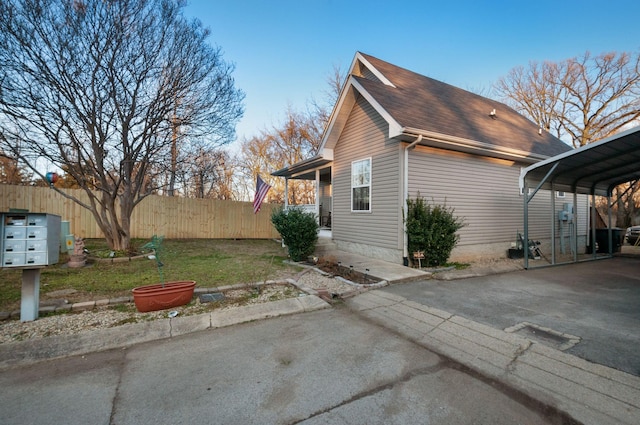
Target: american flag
x,y
261,192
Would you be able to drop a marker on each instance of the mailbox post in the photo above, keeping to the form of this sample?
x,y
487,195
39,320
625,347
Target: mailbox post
x,y
30,241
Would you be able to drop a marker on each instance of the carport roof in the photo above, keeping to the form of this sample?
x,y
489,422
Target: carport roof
x,y
597,167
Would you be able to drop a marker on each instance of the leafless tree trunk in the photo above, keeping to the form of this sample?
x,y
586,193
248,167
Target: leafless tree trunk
x,y
91,86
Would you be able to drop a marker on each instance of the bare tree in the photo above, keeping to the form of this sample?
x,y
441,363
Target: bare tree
x,y
206,173
535,92
579,99
100,86
298,138
626,204
11,172
320,111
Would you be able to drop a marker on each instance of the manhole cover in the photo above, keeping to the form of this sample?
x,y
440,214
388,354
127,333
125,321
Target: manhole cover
x,y
549,337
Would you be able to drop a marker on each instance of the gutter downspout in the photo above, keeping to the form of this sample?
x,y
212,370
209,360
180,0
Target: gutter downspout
x,y
405,196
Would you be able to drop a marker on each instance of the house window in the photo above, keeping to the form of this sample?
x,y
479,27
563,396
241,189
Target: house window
x,y
560,194
361,185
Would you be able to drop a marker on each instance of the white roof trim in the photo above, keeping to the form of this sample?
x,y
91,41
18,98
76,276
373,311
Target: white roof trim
x,y
395,129
372,68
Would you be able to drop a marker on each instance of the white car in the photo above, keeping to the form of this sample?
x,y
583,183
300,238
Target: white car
x,y
633,233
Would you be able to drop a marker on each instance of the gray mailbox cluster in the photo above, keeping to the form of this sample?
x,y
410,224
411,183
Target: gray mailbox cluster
x,y
29,239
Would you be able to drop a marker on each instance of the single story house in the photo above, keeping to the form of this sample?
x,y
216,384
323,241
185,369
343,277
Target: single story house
x,y
395,134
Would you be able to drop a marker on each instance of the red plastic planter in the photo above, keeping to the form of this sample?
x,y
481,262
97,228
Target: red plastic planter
x,y
160,297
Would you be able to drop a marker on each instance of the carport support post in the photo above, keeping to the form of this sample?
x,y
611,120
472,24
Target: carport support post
x,y
609,233
318,198
593,213
575,225
527,198
553,224
525,247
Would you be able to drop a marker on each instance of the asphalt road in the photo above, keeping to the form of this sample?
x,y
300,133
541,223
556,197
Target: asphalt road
x,y
597,301
325,367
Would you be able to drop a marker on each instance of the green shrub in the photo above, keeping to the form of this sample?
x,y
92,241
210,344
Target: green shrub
x,y
431,229
299,231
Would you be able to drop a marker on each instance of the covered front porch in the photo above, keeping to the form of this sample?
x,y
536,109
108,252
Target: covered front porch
x,y
319,170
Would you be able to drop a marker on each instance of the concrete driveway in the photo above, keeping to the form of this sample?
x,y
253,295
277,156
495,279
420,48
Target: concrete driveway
x,y
590,310
324,367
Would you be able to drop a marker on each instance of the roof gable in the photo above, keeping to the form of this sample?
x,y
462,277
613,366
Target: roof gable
x,y
421,103
445,116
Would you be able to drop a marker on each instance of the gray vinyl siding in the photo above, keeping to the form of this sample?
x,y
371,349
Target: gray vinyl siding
x,y
484,192
365,136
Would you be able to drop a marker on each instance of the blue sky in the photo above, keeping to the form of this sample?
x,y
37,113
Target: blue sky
x,y
284,50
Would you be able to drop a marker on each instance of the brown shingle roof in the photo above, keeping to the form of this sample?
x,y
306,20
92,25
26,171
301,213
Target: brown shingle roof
x,y
426,104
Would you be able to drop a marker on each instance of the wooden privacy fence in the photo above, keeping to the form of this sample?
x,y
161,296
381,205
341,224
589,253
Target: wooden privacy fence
x,y
175,218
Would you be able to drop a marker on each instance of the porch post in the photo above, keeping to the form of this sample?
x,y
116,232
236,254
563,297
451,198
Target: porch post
x,y
286,192
318,197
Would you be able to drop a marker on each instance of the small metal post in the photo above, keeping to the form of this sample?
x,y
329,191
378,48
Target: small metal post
x,y
30,299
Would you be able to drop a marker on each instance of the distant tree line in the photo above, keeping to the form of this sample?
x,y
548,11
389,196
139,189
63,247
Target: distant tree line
x,y
582,100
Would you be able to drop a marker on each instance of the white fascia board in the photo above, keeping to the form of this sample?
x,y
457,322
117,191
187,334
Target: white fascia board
x,y
395,129
333,118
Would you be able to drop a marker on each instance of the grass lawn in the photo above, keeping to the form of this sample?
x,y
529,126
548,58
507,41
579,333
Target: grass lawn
x,y
209,262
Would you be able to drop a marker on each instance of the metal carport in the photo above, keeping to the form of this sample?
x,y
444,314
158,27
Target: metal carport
x,y
594,169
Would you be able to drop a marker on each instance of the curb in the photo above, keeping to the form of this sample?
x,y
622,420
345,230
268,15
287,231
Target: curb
x,y
31,351
587,392
90,305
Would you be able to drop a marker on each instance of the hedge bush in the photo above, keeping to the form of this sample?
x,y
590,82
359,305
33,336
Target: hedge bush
x,y
431,229
299,231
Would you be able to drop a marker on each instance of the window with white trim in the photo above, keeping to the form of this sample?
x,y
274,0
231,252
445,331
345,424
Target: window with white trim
x,y
361,185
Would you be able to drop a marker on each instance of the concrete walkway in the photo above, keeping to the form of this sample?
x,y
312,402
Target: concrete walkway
x,y
590,393
383,270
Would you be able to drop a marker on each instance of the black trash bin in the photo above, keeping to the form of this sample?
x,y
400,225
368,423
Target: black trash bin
x,y
602,239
